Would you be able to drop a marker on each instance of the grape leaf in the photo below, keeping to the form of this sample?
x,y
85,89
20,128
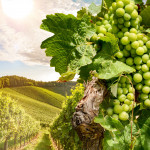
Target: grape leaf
x,y
81,13
114,88
93,9
68,46
144,124
109,123
105,67
146,17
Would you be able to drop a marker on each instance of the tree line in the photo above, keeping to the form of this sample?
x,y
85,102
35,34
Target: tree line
x,y
14,81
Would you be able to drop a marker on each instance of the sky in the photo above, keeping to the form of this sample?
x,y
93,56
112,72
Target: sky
x,y
21,36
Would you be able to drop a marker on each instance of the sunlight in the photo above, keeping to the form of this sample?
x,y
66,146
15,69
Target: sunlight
x,y
17,9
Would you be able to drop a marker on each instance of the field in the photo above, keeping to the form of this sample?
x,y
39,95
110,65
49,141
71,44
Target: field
x,y
40,103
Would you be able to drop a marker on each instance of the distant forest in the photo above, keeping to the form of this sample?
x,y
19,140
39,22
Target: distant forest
x,y
15,81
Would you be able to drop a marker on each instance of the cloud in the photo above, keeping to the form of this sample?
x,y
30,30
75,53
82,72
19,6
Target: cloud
x,y
20,39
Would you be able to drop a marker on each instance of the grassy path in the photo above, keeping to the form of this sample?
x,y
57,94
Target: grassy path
x,y
43,142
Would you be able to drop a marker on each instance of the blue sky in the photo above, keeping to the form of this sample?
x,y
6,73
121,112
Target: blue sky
x,y
20,38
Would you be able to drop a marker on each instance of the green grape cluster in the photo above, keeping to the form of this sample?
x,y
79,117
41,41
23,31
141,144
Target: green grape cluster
x,y
124,21
124,102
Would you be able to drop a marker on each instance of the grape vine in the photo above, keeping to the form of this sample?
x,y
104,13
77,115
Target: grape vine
x,y
15,123
110,42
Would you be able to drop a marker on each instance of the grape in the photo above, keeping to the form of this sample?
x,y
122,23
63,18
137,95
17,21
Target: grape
x,y
101,29
100,35
94,38
148,44
131,90
134,14
123,116
110,111
116,102
139,36
119,54
138,60
145,68
126,34
120,12
140,51
129,61
124,29
119,91
114,5
127,17
123,79
115,116
132,37
125,91
121,20
115,29
127,24
129,8
146,75
147,82
130,96
135,44
120,34
141,43
137,77
127,102
145,89
119,4
145,39
128,47
106,16
125,40
144,96
139,86
147,102
145,49
145,58
138,67
133,30
125,107
126,2
148,63
121,97
118,109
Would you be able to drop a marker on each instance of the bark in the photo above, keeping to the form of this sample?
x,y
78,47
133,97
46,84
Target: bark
x,y
90,133
20,141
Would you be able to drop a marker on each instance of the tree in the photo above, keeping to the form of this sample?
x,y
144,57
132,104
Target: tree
x,y
109,51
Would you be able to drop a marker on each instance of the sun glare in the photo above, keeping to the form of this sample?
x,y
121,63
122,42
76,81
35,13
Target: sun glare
x,y
17,9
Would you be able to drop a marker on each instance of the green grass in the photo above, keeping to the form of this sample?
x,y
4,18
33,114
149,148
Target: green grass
x,y
41,94
37,109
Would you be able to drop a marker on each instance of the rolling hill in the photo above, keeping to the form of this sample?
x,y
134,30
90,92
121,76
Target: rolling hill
x,y
40,103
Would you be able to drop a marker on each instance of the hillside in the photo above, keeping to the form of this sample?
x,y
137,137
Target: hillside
x,y
62,88
41,94
36,101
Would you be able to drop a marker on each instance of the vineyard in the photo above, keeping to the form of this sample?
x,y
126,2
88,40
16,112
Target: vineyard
x,y
108,46
37,102
15,123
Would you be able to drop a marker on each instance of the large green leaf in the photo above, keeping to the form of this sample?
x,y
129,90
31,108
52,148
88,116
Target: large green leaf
x,y
146,17
144,124
68,47
93,9
105,67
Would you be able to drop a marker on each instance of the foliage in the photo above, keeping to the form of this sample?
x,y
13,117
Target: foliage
x,y
14,121
61,129
100,42
31,103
